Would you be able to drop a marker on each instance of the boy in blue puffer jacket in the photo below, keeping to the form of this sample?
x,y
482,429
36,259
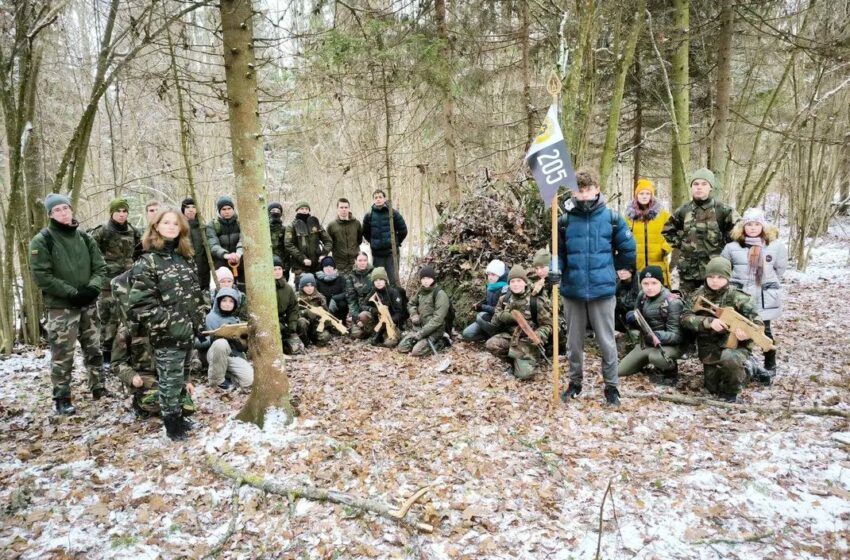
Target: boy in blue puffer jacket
x,y
497,284
595,248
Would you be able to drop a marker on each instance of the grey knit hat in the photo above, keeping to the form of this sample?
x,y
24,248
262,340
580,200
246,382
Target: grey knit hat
x,y
55,199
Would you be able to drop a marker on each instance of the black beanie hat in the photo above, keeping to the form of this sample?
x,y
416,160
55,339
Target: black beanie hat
x,y
275,205
224,201
327,261
277,261
188,201
652,272
428,271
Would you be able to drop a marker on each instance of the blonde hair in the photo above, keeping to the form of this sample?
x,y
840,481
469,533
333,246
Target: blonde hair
x,y
153,240
769,232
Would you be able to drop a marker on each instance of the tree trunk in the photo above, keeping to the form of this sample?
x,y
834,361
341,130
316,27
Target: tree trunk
x,y
185,150
525,49
719,149
681,103
637,140
446,76
271,386
624,62
576,66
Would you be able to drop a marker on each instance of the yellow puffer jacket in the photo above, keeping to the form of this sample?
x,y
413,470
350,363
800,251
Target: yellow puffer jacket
x,y
652,248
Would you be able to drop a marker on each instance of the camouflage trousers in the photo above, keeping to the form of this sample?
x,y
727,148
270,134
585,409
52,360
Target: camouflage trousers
x,y
420,348
522,353
64,328
308,331
172,368
726,374
107,309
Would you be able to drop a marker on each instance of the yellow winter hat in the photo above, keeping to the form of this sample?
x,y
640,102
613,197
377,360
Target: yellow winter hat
x,y
645,185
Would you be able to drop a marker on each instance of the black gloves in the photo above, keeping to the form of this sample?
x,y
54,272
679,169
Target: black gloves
x,y
553,278
84,296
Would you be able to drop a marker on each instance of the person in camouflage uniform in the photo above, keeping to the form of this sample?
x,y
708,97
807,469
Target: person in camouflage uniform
x,y
69,269
699,230
358,287
120,244
725,370
287,310
368,317
306,242
428,310
510,341
662,310
308,323
133,356
166,300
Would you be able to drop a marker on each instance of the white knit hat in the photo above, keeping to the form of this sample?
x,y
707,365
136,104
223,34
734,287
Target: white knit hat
x,y
496,267
754,215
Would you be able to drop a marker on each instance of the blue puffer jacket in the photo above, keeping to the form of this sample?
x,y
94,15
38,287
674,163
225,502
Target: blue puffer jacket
x,y
376,230
587,260
217,318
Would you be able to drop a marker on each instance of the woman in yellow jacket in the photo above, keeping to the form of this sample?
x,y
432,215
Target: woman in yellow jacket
x,y
646,217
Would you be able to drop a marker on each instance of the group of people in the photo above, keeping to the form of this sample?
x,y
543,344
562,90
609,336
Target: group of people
x,y
142,301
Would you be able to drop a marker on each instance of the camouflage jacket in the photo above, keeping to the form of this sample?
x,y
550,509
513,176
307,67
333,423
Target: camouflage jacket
x,y
699,230
709,342
307,239
120,246
165,297
358,288
132,353
542,323
316,299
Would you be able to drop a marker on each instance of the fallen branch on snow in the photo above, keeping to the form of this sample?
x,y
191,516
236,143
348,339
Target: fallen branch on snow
x,y
751,538
324,495
231,528
699,401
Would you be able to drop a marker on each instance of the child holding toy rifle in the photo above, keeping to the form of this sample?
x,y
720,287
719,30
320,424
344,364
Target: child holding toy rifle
x,y
657,314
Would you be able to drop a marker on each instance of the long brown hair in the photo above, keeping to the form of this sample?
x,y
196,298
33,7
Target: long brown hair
x,y
153,240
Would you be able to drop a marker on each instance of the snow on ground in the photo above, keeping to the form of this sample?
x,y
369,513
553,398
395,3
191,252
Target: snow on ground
x,y
509,476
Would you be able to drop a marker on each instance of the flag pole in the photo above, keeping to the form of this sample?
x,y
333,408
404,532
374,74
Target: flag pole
x,y
553,86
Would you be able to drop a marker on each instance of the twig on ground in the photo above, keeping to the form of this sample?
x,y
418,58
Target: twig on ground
x,y
321,495
601,509
751,538
234,515
699,401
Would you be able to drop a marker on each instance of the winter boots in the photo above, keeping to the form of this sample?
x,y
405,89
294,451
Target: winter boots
x,y
572,392
612,395
174,427
64,407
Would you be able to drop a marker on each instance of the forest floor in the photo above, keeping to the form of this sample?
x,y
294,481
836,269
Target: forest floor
x,y
509,476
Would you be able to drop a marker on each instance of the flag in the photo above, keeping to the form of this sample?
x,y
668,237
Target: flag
x,y
549,159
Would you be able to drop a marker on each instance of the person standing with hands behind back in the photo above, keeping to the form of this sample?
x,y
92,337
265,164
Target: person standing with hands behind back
x,y
166,299
376,230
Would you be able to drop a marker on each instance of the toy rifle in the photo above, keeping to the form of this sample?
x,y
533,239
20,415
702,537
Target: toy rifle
x,y
529,332
384,318
647,330
233,330
324,316
734,321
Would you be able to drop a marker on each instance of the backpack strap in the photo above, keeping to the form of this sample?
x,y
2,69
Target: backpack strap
x,y
532,300
48,240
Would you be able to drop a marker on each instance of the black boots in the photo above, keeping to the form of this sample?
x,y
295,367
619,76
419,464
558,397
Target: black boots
x,y
64,407
612,396
99,393
572,392
174,427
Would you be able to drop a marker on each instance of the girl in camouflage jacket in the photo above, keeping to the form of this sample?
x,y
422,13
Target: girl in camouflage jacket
x,y
167,300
